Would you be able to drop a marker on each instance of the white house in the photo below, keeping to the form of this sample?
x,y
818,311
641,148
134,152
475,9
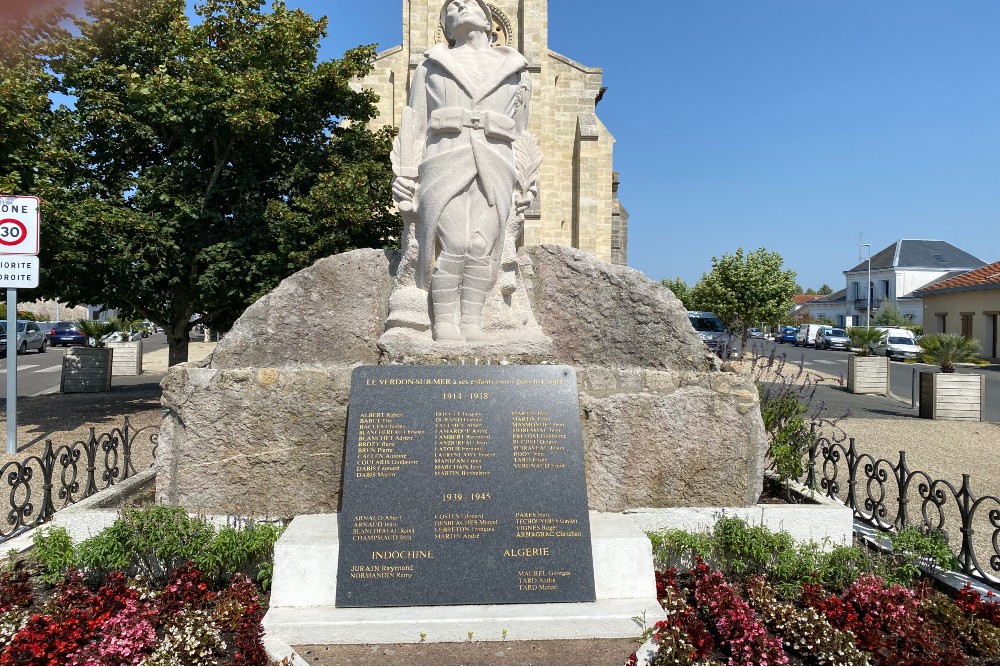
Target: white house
x,y
896,272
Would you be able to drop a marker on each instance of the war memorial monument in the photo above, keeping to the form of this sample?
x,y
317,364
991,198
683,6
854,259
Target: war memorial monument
x,y
463,428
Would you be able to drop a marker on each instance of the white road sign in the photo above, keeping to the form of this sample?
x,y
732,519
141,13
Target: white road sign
x,y
18,271
18,225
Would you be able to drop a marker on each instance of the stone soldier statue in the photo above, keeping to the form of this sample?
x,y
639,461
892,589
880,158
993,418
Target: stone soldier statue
x,y
466,168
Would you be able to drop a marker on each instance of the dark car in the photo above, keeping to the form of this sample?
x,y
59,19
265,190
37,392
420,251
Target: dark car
x,y
786,335
832,338
67,333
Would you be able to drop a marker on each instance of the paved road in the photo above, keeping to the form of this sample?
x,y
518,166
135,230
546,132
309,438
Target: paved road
x,y
901,379
38,373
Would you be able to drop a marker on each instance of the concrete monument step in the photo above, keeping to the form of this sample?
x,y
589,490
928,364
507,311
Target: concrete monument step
x,y
303,596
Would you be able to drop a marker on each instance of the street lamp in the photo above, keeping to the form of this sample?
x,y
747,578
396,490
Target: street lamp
x,y
868,287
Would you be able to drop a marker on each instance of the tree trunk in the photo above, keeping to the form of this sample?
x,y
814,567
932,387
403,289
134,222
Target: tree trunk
x,y
177,339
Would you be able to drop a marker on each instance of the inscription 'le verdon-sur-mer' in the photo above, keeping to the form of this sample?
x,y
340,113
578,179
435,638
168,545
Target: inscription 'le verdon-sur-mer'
x,y
464,485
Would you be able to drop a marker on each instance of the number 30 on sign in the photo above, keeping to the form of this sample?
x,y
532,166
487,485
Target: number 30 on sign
x,y
18,226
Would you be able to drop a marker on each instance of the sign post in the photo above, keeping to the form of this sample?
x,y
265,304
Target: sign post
x,y
19,241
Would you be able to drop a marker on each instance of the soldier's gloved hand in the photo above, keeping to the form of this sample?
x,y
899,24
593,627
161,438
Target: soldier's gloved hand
x,y
523,202
403,190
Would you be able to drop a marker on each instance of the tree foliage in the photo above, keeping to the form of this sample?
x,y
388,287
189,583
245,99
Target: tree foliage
x,y
29,125
213,159
746,288
889,315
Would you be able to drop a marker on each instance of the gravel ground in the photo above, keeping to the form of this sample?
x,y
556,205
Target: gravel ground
x,y
944,450
68,418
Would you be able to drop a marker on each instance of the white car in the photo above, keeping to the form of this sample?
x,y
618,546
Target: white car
x,y
898,344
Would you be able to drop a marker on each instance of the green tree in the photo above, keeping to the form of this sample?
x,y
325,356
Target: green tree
x,y
680,290
810,291
217,162
889,315
825,289
29,124
746,289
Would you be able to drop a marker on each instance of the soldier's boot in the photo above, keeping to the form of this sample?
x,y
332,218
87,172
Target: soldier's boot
x,y
475,284
445,282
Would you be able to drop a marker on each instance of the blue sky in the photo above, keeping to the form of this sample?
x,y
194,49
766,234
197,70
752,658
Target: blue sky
x,y
794,125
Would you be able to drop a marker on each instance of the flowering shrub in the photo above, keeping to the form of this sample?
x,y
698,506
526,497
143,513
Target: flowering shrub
x,y
192,638
11,623
746,638
969,601
804,630
239,610
886,623
15,590
128,623
977,636
186,590
126,638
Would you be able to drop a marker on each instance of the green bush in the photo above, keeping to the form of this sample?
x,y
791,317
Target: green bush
x,y
741,551
153,541
915,543
54,553
789,437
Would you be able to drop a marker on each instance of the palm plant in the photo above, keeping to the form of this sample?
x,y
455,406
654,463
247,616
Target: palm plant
x,y
128,327
96,331
865,339
948,349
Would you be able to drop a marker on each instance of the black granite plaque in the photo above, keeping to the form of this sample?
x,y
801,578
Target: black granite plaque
x,y
464,485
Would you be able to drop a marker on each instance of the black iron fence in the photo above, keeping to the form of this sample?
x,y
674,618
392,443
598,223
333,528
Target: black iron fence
x,y
62,475
888,495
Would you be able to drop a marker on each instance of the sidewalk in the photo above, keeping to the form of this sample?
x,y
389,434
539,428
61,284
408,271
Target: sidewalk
x,y
66,418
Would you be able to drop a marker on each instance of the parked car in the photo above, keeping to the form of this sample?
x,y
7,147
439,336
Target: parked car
x,y
832,338
898,344
67,333
29,337
711,330
786,334
806,335
46,328
754,332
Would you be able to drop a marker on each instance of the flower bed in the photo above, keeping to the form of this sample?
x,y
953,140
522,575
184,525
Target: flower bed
x,y
156,588
762,600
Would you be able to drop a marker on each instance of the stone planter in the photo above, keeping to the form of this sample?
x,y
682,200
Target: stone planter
x,y
86,369
868,375
127,358
952,396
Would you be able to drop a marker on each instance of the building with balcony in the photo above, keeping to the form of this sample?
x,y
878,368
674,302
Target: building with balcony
x,y
896,273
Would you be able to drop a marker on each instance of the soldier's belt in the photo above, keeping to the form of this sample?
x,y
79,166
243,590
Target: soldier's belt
x,y
452,120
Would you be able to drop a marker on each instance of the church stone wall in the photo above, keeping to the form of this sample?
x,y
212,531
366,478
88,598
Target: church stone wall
x,y
577,202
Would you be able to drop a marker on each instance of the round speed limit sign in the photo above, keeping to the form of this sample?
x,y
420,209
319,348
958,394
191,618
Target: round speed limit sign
x,y
12,232
18,225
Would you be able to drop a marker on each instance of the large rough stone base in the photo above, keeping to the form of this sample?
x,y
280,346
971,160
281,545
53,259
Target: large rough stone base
x,y
406,346
271,440
303,595
260,427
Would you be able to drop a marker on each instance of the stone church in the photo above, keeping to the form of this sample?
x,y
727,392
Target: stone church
x,y
577,202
